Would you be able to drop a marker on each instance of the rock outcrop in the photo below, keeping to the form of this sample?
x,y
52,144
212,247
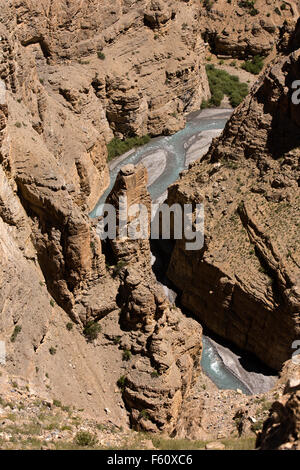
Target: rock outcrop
x,y
281,430
242,29
166,346
245,282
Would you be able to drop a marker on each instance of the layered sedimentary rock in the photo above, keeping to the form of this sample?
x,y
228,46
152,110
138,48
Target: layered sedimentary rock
x,y
71,75
166,345
242,29
133,58
245,282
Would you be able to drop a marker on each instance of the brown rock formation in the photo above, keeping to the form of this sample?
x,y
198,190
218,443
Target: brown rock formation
x,y
71,74
245,283
127,65
237,29
166,345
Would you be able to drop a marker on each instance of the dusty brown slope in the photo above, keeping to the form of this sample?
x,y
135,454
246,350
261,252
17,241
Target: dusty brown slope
x,y
245,283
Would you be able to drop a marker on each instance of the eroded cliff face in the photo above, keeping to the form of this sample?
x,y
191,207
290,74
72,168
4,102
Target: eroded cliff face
x,y
133,58
245,283
166,346
239,29
71,75
60,104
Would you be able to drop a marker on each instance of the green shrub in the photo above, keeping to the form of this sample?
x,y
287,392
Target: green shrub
x,y
69,326
85,439
15,333
92,330
121,382
257,426
117,147
52,351
248,5
144,414
101,55
116,339
222,83
254,65
119,266
155,374
126,355
208,4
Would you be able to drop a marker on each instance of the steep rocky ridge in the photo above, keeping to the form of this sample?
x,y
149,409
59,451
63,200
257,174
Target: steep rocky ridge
x,y
244,283
166,345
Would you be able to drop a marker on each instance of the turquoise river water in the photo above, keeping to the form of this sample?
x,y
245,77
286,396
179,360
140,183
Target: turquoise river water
x,y
177,150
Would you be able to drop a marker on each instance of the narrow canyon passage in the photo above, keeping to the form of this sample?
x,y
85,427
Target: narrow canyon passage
x,y
164,158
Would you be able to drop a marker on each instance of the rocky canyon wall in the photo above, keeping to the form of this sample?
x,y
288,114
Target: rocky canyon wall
x,y
134,58
60,103
244,283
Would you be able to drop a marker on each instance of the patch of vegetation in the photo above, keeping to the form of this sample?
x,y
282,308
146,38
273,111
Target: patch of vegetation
x,y
244,443
257,426
69,326
52,351
57,403
52,303
176,444
101,55
85,439
116,339
144,414
222,83
155,374
92,330
15,333
254,65
208,4
117,147
121,382
248,5
119,266
126,355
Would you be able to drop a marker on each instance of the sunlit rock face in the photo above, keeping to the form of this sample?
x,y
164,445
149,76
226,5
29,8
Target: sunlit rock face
x,y
141,61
